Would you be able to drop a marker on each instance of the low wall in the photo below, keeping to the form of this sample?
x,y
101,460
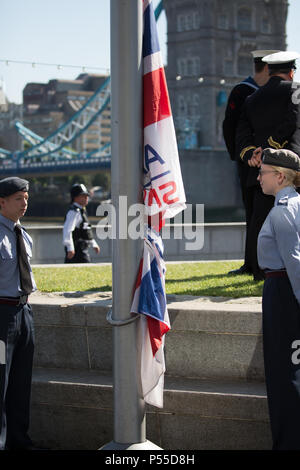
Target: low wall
x,y
221,241
214,396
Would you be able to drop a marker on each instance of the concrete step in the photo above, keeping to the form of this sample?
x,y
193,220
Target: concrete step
x,y
214,388
73,409
215,337
210,337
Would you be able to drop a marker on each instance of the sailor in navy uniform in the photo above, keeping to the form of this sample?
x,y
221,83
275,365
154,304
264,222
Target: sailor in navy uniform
x,y
77,231
279,256
270,118
16,322
234,106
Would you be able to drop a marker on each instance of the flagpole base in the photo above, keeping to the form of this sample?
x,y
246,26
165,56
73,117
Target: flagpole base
x,y
146,445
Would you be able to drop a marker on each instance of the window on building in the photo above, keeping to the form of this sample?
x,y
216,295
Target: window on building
x,y
193,66
196,20
265,26
244,19
182,106
223,22
188,67
180,23
188,21
181,67
245,66
195,105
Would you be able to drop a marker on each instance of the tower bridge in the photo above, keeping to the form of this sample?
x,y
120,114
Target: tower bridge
x,y
52,156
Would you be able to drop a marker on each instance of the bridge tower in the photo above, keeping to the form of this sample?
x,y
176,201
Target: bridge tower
x,y
209,44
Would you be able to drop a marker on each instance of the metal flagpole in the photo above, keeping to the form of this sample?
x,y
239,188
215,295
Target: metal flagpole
x,y
126,181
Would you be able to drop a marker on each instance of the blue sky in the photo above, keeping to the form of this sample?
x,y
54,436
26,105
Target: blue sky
x,y
71,32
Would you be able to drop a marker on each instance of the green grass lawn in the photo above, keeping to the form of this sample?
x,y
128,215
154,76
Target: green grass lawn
x,y
204,279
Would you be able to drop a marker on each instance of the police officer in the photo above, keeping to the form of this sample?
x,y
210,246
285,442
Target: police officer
x,y
279,256
16,323
77,231
270,118
235,102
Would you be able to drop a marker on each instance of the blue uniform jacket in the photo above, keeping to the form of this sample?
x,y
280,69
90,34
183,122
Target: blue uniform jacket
x,y
278,245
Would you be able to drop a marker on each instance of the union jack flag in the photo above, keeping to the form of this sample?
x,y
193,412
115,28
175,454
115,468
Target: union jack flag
x,y
164,197
150,301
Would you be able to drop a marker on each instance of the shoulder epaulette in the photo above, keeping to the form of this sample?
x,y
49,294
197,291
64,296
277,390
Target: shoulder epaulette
x,y
283,201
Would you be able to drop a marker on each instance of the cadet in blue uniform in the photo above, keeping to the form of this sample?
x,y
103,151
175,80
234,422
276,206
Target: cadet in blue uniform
x,y
270,118
233,111
16,323
77,231
279,256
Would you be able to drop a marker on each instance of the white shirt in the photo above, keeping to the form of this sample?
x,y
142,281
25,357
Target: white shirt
x,y
10,285
73,220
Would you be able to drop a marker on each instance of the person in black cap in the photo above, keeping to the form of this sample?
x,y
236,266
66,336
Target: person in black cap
x,y
77,231
235,102
279,256
16,322
270,118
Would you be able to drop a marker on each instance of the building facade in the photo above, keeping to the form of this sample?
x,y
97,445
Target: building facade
x,y
46,106
209,45
9,113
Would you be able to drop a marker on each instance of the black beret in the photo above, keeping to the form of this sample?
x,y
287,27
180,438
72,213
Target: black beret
x,y
11,185
282,157
78,189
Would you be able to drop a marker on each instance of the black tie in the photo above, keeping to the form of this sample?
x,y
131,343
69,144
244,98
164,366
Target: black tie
x,y
25,277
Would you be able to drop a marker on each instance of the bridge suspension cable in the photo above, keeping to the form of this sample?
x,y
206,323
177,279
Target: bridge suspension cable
x,y
73,127
34,139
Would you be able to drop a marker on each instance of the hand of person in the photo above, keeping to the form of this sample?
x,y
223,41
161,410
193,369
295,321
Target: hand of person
x,y
97,249
258,154
255,160
70,254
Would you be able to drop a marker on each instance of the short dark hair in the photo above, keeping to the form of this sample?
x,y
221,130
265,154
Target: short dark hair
x,y
282,68
277,71
259,66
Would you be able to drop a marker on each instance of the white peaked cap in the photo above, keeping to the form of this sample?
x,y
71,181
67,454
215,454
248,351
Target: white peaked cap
x,y
283,57
260,53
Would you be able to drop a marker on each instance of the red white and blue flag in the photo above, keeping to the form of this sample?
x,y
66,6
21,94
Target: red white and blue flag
x,y
150,301
164,197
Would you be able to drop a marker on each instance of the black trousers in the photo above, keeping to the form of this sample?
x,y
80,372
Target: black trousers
x,y
281,331
17,347
81,253
259,206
